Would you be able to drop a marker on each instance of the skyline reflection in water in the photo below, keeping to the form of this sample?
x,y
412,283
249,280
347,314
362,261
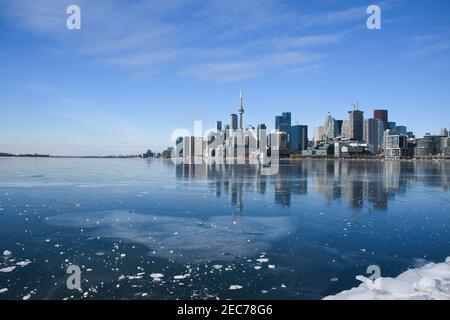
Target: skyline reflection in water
x,y
359,183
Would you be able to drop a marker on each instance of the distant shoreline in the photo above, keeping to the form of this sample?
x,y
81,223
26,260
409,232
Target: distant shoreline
x,y
296,159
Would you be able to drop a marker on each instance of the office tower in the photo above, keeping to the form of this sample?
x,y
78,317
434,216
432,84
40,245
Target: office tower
x,y
391,125
356,124
233,121
262,136
298,138
339,127
330,128
188,147
401,130
278,121
318,134
283,122
345,130
179,147
218,126
241,112
278,140
429,146
382,115
443,132
373,132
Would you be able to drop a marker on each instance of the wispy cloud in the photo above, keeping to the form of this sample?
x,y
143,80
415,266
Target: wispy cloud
x,y
218,40
238,70
424,45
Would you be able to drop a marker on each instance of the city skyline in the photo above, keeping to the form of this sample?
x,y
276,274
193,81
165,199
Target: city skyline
x,y
128,78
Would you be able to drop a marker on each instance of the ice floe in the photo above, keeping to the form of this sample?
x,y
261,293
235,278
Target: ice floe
x,y
430,282
235,287
23,263
7,269
7,253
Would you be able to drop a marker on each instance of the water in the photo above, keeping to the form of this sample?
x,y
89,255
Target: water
x,y
302,234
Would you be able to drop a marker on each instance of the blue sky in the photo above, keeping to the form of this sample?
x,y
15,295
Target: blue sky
x,y
137,70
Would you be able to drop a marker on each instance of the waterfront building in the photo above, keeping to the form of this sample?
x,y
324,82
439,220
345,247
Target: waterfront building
x,y
428,146
373,132
179,147
355,125
382,115
298,138
397,147
188,147
445,144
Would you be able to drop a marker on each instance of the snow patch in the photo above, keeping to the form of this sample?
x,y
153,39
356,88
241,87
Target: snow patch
x,y
430,282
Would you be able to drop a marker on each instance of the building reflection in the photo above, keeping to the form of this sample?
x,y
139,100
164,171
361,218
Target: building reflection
x,y
358,183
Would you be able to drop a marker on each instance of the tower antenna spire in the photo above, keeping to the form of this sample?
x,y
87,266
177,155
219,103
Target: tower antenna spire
x,y
241,110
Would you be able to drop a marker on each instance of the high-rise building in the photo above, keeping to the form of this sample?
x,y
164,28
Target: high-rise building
x,y
262,136
218,126
339,127
356,125
401,130
443,132
382,115
318,135
330,128
391,125
373,132
233,121
298,138
345,131
283,122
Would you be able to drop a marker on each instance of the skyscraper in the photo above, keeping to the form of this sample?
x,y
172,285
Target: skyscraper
x,y
330,128
233,121
373,132
356,124
283,122
262,136
298,138
382,115
241,112
443,132
218,126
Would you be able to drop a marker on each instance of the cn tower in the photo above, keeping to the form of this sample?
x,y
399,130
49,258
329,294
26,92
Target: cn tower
x,y
241,112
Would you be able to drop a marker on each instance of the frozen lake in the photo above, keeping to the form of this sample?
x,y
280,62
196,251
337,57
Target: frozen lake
x,y
150,229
